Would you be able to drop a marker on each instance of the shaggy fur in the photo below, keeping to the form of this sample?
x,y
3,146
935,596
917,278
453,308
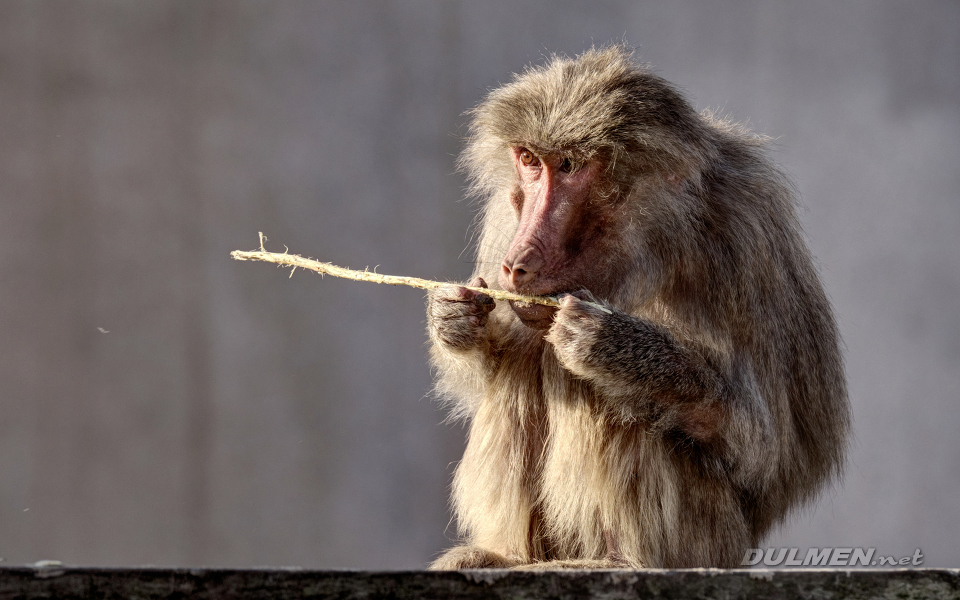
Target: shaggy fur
x,y
677,429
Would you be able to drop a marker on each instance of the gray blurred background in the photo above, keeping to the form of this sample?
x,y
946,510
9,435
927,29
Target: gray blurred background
x,y
162,404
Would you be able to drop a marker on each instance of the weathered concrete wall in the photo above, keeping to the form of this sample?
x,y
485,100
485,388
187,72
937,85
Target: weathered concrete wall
x,y
228,415
147,584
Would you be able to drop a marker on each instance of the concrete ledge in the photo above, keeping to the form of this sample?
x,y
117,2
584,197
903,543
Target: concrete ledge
x,y
56,581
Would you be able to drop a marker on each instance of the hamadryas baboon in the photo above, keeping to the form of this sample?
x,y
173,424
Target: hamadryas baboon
x,y
697,397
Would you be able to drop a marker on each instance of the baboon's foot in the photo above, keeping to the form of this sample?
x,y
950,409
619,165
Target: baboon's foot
x,y
471,557
580,563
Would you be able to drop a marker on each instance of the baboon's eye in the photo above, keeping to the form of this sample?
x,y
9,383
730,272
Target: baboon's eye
x,y
527,157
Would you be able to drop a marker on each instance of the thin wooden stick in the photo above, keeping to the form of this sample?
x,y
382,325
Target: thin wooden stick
x,y
295,260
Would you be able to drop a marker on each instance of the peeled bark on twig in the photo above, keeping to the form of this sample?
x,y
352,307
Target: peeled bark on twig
x,y
295,260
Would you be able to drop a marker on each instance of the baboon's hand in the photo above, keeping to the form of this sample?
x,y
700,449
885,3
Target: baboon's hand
x,y
457,317
575,333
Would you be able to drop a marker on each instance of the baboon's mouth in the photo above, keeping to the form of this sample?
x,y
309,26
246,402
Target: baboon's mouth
x,y
536,316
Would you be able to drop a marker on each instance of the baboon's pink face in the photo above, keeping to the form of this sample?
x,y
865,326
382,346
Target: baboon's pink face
x,y
558,244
